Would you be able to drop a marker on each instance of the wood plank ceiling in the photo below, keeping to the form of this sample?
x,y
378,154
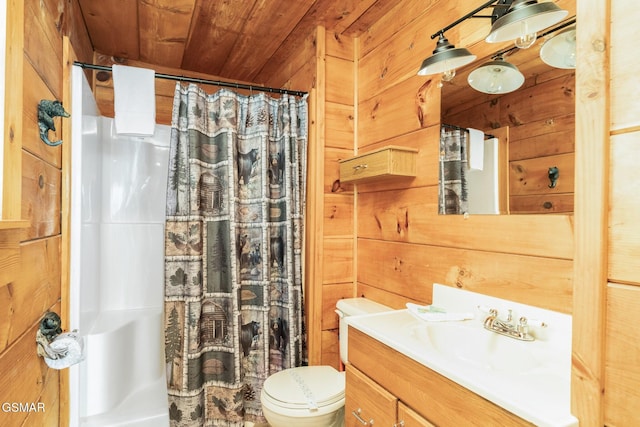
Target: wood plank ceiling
x,y
242,40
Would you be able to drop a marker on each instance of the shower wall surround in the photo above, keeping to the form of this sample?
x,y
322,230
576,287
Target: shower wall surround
x,y
117,269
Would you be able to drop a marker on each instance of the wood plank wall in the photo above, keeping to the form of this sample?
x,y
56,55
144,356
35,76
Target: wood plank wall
x,y
622,292
403,244
338,213
31,278
400,247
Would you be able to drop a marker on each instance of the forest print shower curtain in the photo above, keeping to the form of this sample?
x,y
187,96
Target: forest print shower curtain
x,y
233,251
452,188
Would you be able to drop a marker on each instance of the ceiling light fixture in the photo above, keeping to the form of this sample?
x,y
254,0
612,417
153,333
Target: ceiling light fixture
x,y
523,20
445,59
560,50
496,77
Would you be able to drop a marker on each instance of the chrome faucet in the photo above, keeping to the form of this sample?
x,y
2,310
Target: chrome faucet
x,y
509,327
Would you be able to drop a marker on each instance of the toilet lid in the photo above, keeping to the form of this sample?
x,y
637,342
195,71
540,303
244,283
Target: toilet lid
x,y
305,387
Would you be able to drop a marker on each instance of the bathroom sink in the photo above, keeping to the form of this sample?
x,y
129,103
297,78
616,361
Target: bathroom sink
x,y
528,378
468,342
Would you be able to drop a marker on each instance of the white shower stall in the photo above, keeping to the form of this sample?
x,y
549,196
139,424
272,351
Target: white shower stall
x,y
118,193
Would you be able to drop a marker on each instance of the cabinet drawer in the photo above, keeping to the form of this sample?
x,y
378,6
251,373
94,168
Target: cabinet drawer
x,y
388,161
368,401
407,417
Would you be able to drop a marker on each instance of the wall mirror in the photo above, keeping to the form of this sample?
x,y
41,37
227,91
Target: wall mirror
x,y
535,127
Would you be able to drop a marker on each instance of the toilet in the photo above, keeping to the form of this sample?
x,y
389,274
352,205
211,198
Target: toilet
x,y
313,396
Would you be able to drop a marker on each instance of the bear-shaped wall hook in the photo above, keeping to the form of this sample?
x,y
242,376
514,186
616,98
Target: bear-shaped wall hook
x,y
47,110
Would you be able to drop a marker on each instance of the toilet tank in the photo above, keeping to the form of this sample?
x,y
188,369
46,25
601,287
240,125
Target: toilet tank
x,y
354,307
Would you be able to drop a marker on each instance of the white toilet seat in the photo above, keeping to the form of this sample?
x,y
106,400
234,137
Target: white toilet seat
x,y
305,388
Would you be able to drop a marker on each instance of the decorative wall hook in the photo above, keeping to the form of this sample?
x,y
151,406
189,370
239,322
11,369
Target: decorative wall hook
x,y
59,349
554,173
47,110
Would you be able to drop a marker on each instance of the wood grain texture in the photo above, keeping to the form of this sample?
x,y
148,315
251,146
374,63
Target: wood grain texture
x,y
43,45
624,68
12,133
73,26
69,56
431,395
33,292
101,19
163,30
314,226
338,215
624,232
337,263
368,400
622,372
41,196
410,216
35,91
339,45
331,294
340,125
411,418
410,270
27,379
388,162
591,210
398,110
531,176
330,349
340,74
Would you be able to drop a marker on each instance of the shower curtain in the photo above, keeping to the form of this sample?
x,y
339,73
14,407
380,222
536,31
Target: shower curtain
x,y
452,189
233,251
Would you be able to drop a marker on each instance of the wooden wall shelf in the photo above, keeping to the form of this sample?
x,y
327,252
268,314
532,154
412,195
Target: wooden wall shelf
x,y
385,162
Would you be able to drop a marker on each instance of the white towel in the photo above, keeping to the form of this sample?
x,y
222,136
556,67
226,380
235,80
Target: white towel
x,y
134,98
435,314
476,149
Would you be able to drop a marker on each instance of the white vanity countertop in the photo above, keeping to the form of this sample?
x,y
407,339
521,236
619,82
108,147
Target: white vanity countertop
x,y
529,379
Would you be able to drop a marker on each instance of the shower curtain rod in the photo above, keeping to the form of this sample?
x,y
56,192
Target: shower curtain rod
x,y
202,81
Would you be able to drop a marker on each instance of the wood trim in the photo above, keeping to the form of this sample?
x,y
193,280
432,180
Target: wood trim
x,y
12,225
13,106
356,82
65,219
591,210
315,205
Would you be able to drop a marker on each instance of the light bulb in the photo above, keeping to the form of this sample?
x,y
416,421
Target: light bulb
x,y
448,75
526,39
495,86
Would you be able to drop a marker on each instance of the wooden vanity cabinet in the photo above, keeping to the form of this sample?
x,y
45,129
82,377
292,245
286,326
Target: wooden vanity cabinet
x,y
368,404
411,392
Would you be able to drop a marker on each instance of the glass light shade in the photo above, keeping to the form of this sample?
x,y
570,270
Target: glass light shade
x,y
446,58
560,50
496,77
523,19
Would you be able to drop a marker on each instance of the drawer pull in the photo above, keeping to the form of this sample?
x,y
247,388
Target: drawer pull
x,y
359,418
360,167
400,424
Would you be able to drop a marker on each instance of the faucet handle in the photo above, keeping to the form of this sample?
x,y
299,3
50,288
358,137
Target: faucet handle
x,y
523,328
510,315
537,323
487,310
